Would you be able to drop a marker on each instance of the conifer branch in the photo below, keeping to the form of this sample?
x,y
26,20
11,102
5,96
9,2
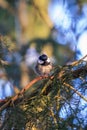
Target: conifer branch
x,y
61,75
12,100
76,91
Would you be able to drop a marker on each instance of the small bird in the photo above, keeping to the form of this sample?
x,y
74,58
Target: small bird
x,y
43,66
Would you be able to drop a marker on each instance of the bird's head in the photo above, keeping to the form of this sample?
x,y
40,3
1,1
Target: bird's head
x,y
43,60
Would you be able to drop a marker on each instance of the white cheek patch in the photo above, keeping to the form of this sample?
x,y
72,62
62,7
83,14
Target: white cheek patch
x,y
40,61
48,60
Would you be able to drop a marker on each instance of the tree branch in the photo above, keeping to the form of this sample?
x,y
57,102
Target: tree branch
x,y
12,100
76,91
61,75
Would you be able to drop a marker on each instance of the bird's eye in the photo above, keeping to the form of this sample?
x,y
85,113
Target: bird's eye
x,y
40,61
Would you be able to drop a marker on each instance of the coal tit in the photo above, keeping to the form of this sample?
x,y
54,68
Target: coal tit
x,y
43,66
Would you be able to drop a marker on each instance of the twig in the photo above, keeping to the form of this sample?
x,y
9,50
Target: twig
x,y
76,91
79,61
17,96
5,105
27,87
54,117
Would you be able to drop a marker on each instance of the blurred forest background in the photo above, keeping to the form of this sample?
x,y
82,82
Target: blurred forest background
x,y
29,28
26,32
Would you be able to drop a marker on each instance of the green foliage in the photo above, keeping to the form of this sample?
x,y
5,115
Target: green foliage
x,y
14,118
42,109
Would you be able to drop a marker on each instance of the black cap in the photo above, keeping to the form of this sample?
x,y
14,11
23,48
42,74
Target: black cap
x,y
43,57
